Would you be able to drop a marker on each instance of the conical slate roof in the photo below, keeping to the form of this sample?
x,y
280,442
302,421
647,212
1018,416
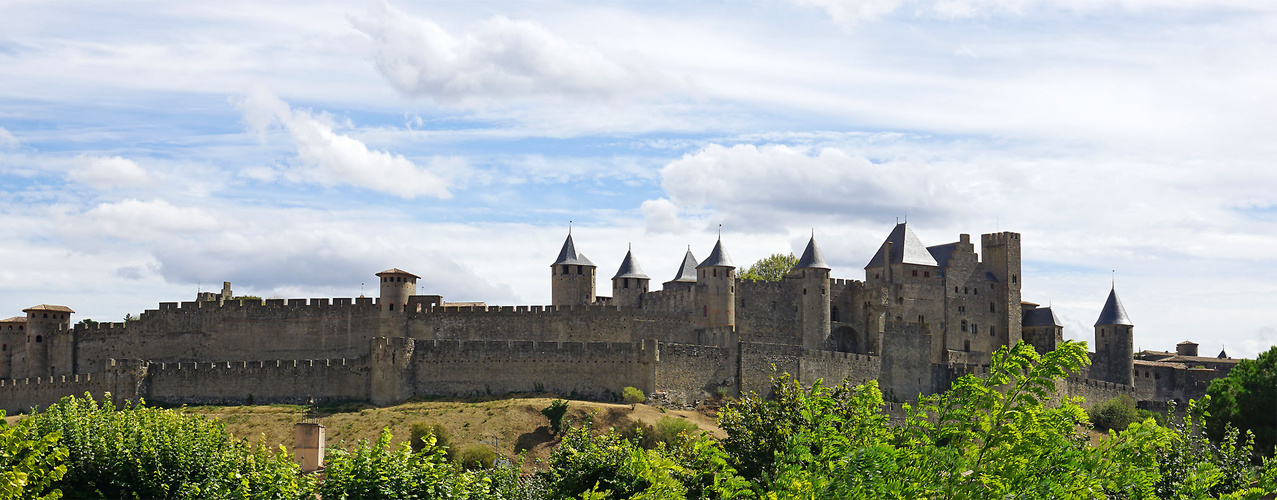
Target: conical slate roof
x,y
1113,313
717,257
630,268
812,257
569,256
686,271
1222,354
906,248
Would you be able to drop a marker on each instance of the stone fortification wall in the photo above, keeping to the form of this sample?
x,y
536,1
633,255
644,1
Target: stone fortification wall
x,y
121,378
806,366
258,382
680,300
1093,391
598,370
270,329
688,373
767,312
549,324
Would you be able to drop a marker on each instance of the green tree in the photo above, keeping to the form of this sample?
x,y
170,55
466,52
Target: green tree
x,y
379,470
554,413
1247,400
772,268
633,396
29,465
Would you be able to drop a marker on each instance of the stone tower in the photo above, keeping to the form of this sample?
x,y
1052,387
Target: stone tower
x,y
1000,254
396,286
685,278
571,277
1114,343
629,284
716,289
49,343
811,279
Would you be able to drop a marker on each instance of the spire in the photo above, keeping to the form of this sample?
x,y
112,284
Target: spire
x,y
906,248
630,268
812,257
569,256
687,270
1113,313
717,257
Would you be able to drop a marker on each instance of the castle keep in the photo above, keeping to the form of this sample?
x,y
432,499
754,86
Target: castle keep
x,y
921,317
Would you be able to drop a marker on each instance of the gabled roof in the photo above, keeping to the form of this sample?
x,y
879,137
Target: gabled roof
x,y
1041,316
569,256
395,270
15,319
687,270
812,257
1113,312
942,253
630,268
717,257
906,248
47,307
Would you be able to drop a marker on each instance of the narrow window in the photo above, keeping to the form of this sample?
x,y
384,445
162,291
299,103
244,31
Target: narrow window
x,y
991,307
876,275
580,269
625,283
4,347
915,273
922,319
966,345
732,289
1157,376
833,314
955,289
822,291
991,331
926,274
39,338
46,315
392,306
975,291
705,311
964,325
975,328
1013,278
715,272
804,291
965,290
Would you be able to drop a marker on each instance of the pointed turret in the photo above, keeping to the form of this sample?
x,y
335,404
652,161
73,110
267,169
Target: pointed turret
x,y
717,257
812,257
687,270
1113,312
572,277
716,288
629,284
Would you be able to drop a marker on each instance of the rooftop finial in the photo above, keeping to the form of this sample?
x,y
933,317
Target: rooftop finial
x,y
1113,284
720,231
569,228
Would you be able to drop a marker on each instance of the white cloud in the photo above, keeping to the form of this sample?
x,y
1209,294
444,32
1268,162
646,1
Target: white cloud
x,y
329,158
850,13
111,172
500,58
661,216
7,140
133,219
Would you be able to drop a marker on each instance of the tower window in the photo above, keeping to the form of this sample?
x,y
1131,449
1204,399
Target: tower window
x,y
876,275
991,331
46,315
392,306
39,338
4,347
926,274
705,311
965,290
1157,376
915,273
715,273
964,325
833,313
804,291
991,307
975,291
966,345
1013,278
922,319
955,289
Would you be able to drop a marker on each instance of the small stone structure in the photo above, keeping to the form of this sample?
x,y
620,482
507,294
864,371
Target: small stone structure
x,y
921,317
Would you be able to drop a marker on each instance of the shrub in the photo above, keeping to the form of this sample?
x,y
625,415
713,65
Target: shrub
x,y
29,464
420,431
640,433
477,456
670,430
554,413
633,396
1115,414
379,471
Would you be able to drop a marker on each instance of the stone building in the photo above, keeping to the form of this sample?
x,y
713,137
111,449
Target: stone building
x,y
922,316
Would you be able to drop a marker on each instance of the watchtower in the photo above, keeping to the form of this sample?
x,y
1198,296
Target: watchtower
x,y
810,277
49,343
1114,343
396,286
716,289
1000,255
572,277
629,284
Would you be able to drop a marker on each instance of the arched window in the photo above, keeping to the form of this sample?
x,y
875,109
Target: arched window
x,y
46,315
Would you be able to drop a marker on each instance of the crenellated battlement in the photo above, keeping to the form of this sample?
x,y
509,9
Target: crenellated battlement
x,y
455,350
289,364
268,306
998,238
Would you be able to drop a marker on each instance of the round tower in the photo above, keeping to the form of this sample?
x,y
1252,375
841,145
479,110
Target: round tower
x,y
811,280
1114,343
629,284
396,286
572,277
716,289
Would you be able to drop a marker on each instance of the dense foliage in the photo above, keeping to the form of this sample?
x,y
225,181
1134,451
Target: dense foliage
x,y
1247,399
554,413
1003,435
1119,413
773,268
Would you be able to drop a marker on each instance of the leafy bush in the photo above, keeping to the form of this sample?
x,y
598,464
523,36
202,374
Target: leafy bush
x,y
142,452
1246,399
554,413
477,456
608,466
1114,414
642,434
420,431
633,396
379,471
670,430
29,465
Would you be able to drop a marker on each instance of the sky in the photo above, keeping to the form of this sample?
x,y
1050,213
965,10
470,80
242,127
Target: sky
x,y
151,149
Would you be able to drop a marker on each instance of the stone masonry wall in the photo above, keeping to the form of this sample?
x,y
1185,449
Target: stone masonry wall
x,y
688,373
258,382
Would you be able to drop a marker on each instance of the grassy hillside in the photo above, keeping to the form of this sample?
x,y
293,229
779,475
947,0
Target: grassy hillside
x,y
508,426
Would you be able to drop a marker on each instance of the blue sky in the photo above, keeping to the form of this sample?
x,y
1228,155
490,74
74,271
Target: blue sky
x,y
151,149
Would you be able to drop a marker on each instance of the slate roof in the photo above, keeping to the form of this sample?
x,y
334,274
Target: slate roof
x,y
1041,316
906,248
630,268
1222,354
1113,312
47,307
812,257
395,270
717,257
569,256
687,270
942,253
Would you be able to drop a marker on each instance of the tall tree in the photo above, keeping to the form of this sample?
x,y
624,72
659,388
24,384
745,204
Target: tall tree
x,y
1247,399
772,268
